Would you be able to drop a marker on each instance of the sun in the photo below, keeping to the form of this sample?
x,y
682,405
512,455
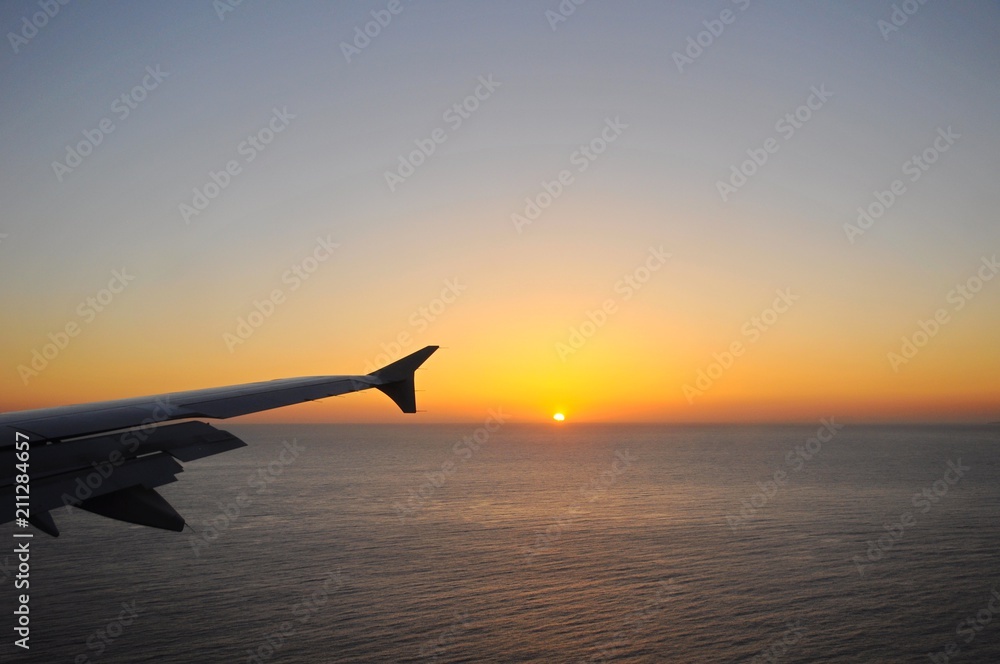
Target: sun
x,y
559,417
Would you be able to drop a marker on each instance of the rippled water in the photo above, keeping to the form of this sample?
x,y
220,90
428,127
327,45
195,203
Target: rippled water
x,y
542,544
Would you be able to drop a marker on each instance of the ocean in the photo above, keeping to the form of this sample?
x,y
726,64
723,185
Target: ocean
x,y
828,542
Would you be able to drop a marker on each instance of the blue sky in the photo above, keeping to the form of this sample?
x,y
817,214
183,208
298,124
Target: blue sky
x,y
656,184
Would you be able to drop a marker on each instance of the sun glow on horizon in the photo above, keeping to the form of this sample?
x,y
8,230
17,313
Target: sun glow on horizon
x,y
559,417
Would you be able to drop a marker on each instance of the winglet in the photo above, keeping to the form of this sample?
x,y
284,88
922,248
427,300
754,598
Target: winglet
x,y
396,380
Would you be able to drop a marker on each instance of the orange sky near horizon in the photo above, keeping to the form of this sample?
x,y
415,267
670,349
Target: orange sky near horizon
x,y
618,375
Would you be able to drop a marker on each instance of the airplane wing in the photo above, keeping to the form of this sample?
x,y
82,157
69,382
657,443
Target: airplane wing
x,y
108,457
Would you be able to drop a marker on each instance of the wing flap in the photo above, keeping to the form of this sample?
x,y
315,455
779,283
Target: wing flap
x,y
186,441
74,487
136,504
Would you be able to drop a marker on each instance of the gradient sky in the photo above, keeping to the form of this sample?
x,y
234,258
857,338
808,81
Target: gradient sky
x,y
522,293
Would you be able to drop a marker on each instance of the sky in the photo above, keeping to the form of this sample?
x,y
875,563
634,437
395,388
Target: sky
x,y
726,211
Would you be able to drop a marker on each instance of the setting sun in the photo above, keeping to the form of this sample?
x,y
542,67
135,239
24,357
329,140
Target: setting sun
x,y
559,417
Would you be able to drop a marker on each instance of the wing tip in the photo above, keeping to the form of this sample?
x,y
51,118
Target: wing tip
x,y
395,380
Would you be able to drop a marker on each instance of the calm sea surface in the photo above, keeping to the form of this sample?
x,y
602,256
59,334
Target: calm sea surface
x,y
542,544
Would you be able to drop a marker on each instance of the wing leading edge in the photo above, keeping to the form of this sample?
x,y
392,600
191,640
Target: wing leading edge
x,y
108,457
